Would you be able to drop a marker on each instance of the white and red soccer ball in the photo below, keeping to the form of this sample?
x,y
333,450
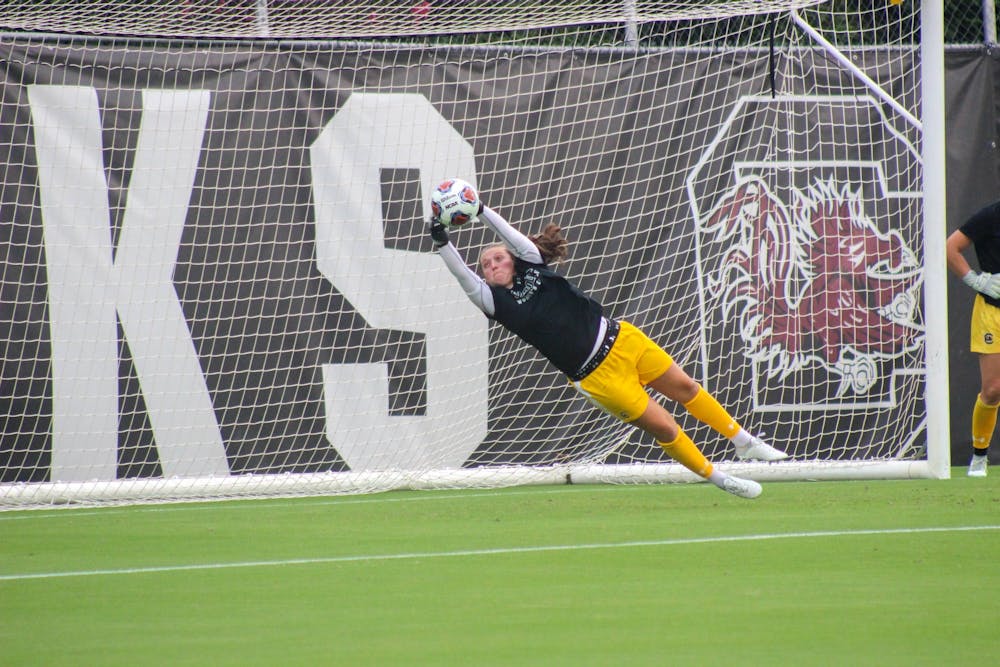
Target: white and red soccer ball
x,y
455,202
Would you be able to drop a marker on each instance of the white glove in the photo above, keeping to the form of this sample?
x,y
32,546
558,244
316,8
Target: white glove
x,y
984,283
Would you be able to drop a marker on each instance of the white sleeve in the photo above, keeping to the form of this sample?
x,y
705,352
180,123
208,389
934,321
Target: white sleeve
x,y
475,287
520,245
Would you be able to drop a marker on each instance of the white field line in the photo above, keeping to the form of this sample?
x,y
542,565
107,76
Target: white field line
x,y
370,558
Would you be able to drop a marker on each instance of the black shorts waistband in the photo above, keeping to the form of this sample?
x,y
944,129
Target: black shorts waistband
x,y
610,336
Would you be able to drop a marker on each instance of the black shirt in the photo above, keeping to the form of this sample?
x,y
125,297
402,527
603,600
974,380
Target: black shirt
x,y
546,311
983,229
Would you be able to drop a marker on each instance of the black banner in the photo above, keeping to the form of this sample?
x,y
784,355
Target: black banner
x,y
212,253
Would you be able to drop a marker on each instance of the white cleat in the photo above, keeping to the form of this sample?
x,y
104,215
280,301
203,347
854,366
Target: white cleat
x,y
758,450
978,466
744,488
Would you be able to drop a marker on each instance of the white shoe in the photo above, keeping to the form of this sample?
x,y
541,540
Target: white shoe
x,y
744,488
978,466
758,450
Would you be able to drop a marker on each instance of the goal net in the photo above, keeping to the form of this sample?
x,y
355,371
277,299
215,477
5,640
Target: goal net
x,y
217,279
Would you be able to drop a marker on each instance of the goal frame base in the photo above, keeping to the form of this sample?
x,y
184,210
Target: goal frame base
x,y
48,495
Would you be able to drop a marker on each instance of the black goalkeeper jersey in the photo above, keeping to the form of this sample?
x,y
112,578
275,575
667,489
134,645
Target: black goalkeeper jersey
x,y
546,311
983,229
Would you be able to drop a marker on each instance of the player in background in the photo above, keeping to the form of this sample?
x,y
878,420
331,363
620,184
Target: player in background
x,y
982,231
608,361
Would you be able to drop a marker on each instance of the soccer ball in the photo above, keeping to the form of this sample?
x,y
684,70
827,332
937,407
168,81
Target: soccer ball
x,y
454,202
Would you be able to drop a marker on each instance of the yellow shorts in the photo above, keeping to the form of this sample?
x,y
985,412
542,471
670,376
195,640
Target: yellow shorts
x,y
617,385
984,331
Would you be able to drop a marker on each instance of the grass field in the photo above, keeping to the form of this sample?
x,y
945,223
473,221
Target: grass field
x,y
811,573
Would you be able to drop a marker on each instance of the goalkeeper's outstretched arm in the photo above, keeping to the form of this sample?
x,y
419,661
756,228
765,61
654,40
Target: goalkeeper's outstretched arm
x,y
519,244
474,287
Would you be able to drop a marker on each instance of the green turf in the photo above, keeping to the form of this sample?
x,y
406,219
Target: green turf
x,y
576,575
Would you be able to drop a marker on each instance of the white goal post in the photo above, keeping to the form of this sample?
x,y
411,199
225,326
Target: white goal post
x,y
217,280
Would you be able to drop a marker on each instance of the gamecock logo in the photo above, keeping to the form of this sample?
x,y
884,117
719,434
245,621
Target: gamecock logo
x,y
811,281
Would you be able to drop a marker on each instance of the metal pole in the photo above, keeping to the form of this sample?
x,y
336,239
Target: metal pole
x,y
631,25
990,22
870,83
262,19
935,229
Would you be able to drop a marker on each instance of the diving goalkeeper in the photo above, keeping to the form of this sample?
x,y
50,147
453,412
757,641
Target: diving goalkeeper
x,y
608,361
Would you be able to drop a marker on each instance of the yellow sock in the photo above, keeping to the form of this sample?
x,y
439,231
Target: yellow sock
x,y
706,409
984,421
683,450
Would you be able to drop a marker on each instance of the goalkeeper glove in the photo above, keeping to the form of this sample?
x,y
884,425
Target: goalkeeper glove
x,y
439,233
984,283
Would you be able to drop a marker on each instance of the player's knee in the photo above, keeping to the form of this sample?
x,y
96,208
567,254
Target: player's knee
x,y
667,434
990,393
664,429
690,390
677,386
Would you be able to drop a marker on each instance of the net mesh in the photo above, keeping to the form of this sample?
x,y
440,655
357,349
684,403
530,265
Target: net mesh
x,y
349,20
218,281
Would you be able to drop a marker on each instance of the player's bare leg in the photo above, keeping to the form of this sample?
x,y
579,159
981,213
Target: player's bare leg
x,y
677,385
659,423
984,414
